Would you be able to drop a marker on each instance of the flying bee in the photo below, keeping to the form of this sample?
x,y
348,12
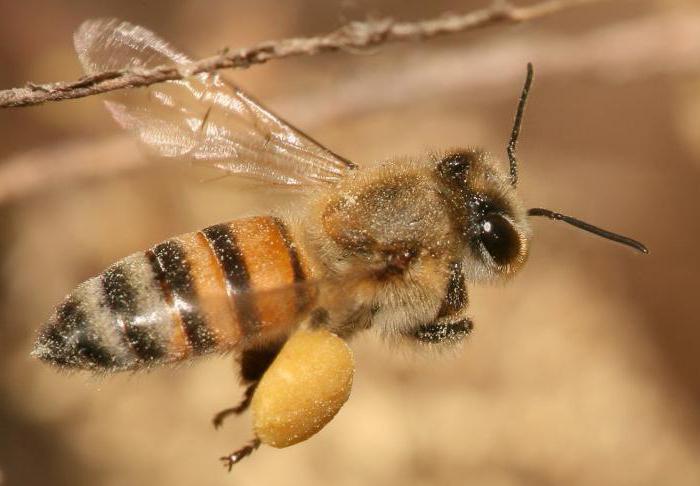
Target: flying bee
x,y
391,247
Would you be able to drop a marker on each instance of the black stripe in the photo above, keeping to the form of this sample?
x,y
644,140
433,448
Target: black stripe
x,y
172,271
299,275
297,269
74,342
223,242
50,346
456,293
120,297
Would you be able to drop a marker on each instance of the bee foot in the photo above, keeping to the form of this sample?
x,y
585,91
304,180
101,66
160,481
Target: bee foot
x,y
236,456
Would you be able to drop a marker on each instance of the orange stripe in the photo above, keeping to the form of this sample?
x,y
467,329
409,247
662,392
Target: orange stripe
x,y
208,281
270,269
179,347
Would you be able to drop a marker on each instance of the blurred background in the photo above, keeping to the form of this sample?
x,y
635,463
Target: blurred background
x,y
583,370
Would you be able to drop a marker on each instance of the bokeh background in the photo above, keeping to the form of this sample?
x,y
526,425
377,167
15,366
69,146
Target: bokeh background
x,y
583,370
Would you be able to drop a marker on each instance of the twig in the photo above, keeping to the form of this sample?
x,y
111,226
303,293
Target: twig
x,y
634,50
351,37
72,162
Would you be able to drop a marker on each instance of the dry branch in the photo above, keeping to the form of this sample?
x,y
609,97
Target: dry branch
x,y
41,169
353,36
604,53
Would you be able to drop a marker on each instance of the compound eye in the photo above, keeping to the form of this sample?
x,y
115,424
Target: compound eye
x,y
499,238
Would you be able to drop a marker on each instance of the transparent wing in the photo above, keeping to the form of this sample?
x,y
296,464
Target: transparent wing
x,y
204,118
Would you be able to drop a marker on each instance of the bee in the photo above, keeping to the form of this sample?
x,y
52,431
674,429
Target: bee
x,y
392,247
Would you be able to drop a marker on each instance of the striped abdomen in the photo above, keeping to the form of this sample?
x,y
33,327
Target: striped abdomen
x,y
200,292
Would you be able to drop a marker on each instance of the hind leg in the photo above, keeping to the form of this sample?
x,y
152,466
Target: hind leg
x,y
219,418
254,362
236,456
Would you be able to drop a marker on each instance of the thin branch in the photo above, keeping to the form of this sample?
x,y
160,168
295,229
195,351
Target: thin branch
x,y
634,50
629,51
351,37
40,170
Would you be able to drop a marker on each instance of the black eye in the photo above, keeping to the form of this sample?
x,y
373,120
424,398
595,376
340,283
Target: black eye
x,y
499,238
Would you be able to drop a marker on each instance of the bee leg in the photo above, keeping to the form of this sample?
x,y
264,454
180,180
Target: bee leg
x,y
451,324
239,454
219,418
443,332
254,362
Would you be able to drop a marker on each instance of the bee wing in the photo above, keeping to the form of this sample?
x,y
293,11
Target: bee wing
x,y
203,119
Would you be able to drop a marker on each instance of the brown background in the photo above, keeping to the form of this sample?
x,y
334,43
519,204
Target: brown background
x,y
583,370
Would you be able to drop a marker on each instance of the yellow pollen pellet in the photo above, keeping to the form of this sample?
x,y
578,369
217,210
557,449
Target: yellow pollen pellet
x,y
303,389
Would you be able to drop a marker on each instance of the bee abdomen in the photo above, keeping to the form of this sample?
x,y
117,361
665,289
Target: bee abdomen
x,y
193,294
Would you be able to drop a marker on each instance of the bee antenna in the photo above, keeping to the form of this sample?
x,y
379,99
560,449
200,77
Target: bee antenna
x,y
513,142
588,227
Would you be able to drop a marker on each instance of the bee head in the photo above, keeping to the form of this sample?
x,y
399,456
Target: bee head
x,y
486,210
489,214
